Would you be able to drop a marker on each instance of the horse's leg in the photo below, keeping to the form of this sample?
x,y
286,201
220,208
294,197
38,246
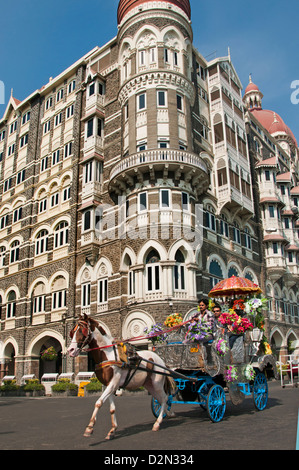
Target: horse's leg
x,y
112,431
156,389
106,394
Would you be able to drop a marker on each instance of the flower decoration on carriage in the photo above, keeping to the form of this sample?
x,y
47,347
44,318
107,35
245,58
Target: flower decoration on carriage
x,y
249,373
197,331
238,305
267,348
235,324
49,354
222,347
231,374
252,306
173,320
156,333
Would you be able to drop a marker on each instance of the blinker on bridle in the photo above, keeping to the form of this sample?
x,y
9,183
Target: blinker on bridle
x,y
85,330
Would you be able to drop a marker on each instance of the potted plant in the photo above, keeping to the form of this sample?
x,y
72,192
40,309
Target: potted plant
x,y
49,354
10,388
64,387
33,388
93,387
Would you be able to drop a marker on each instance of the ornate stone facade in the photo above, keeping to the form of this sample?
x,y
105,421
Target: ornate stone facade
x,y
127,191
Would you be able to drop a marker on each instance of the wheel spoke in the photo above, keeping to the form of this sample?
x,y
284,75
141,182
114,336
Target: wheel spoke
x,y
216,403
260,392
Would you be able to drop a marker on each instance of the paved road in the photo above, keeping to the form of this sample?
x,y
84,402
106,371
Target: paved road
x,y
58,423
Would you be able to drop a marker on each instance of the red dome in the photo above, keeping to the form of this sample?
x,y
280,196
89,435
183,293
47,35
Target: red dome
x,y
251,87
126,5
272,122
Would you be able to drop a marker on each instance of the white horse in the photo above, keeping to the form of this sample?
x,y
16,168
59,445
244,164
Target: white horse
x,y
114,373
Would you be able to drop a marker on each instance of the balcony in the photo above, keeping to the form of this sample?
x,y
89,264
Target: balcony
x,y
94,145
93,103
233,199
162,163
276,267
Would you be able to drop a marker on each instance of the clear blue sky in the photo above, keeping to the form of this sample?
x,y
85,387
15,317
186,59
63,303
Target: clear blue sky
x,y
39,39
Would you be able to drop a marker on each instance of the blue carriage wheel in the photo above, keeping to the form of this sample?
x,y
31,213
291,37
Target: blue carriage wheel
x,y
156,407
260,391
216,403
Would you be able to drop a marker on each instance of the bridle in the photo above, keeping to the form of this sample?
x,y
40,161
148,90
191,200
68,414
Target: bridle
x,y
86,332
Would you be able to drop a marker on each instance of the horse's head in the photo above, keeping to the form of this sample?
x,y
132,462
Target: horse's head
x,y
82,335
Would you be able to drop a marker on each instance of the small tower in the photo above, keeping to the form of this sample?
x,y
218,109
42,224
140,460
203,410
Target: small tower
x,y
253,96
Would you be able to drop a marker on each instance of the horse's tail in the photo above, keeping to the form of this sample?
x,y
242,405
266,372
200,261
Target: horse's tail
x,y
169,385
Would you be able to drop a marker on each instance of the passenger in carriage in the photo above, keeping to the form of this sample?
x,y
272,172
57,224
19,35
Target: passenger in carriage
x,y
218,329
207,316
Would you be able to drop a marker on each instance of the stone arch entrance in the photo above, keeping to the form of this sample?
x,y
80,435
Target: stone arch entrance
x,y
41,344
8,366
277,344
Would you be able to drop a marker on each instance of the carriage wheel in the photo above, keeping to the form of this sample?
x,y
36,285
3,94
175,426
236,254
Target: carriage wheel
x,y
260,391
156,407
216,403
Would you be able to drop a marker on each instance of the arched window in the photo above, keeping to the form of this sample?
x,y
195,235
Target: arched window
x,y
277,302
247,238
249,277
233,272
39,298
2,256
59,289
153,271
179,271
15,252
237,233
131,276
41,245
216,274
61,235
11,304
210,222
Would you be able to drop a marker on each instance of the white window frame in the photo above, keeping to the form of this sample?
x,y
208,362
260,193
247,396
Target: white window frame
x,y
61,235
85,294
59,95
14,252
164,92
139,202
47,127
179,277
138,102
161,192
153,273
68,149
59,299
103,291
41,242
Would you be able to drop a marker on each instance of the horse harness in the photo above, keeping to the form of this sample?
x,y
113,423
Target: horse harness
x,y
130,362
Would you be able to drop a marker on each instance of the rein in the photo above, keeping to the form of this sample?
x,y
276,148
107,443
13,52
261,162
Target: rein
x,y
138,338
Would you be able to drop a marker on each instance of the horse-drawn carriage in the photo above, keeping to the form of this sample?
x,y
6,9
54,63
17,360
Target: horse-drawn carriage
x,y
234,362
202,375
180,370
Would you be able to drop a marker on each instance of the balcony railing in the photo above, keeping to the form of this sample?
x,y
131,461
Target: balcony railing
x,y
158,156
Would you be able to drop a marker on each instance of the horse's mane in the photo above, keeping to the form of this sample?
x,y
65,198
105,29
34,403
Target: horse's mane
x,y
94,324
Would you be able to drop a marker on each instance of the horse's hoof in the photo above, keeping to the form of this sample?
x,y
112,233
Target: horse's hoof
x,y
88,432
156,427
109,437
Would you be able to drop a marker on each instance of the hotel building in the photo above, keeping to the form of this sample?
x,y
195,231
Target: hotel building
x,y
131,184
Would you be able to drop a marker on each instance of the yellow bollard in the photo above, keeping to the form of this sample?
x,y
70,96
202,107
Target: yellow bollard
x,y
81,389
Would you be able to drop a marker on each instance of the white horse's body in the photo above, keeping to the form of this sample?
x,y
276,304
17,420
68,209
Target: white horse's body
x,y
113,376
